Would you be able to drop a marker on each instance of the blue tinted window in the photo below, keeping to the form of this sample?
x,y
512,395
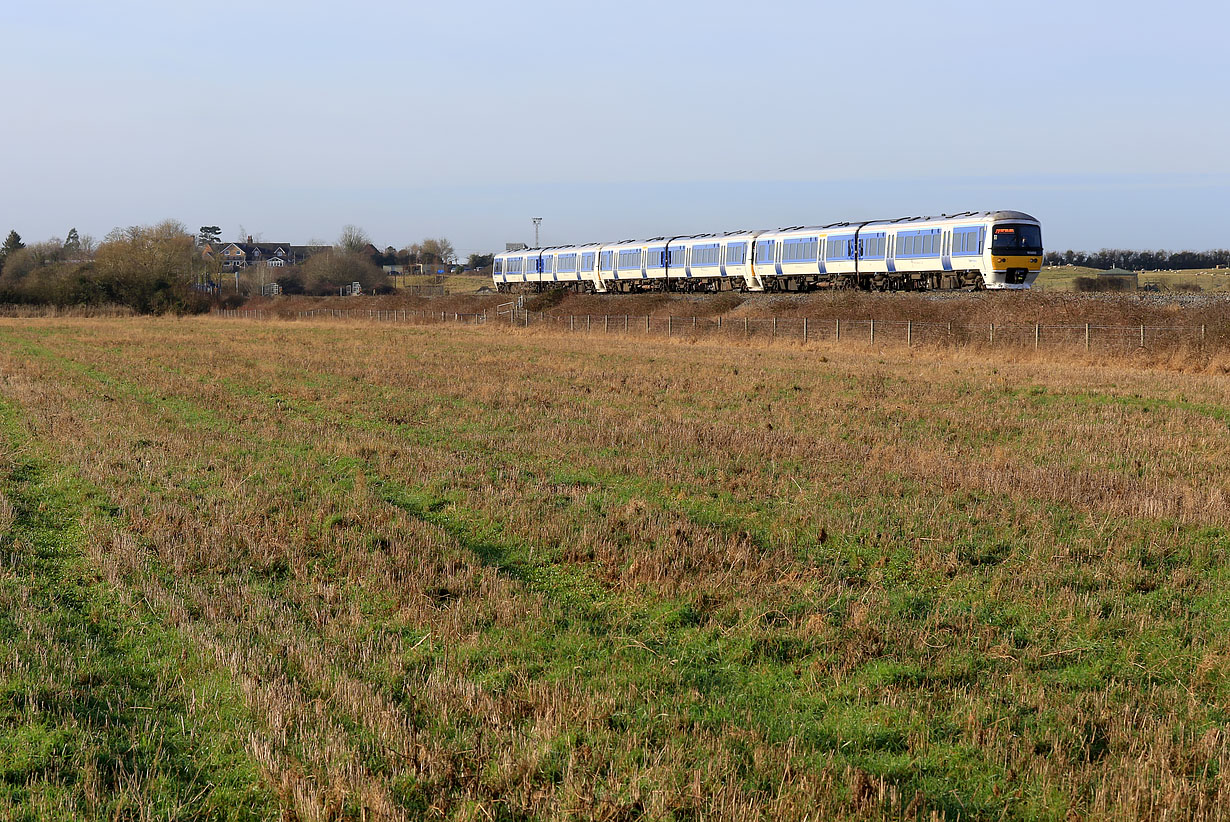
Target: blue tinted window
x,y
629,259
705,255
800,250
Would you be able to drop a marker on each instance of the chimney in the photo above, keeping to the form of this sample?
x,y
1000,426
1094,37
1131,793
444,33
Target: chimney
x,y
249,239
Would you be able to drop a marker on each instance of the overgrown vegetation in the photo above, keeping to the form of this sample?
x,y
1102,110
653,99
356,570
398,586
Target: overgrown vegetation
x,y
149,269
465,573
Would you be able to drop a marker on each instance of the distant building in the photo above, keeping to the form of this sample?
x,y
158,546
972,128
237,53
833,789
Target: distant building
x,y
234,256
1111,279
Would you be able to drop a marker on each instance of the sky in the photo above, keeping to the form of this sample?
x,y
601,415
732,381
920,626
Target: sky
x,y
1110,122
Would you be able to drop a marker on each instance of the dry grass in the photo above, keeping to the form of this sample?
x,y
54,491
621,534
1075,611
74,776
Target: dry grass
x,y
466,573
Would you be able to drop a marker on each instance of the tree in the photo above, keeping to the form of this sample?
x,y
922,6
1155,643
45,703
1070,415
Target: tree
x,y
436,250
72,243
11,245
477,261
353,239
150,268
209,235
325,272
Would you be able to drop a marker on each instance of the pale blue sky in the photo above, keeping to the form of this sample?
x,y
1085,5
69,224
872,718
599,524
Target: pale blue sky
x,y
1109,122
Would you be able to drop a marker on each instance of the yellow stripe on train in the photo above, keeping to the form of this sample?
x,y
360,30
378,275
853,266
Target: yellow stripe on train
x,y
1030,262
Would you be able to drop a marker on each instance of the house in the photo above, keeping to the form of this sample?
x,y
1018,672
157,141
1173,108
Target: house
x,y
233,256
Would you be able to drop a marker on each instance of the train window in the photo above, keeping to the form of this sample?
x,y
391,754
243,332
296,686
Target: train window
x,y
606,260
1026,238
629,258
965,241
705,255
802,250
676,257
656,257
735,253
587,261
764,252
837,248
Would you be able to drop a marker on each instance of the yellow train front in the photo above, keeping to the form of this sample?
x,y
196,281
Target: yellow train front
x,y
1014,256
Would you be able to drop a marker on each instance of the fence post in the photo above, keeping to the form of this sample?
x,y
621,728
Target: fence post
x,y
746,332
1086,336
992,333
1142,335
837,335
775,328
1202,332
648,328
693,324
1037,334
804,329
625,323
586,323
719,322
668,325
873,330
572,323
606,324
909,333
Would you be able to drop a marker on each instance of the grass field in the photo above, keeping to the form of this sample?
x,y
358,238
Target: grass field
x,y
336,571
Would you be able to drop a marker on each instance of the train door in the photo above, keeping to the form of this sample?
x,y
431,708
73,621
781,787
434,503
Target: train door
x,y
946,249
761,260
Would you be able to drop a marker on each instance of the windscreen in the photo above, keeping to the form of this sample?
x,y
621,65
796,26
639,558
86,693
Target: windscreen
x,y
1023,239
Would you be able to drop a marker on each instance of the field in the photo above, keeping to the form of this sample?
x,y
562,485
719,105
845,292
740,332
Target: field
x,y
346,571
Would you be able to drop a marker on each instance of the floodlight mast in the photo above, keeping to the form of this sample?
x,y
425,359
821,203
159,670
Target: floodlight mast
x,y
537,222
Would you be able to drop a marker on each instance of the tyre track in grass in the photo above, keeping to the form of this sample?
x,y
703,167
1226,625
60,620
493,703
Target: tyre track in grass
x,y
105,711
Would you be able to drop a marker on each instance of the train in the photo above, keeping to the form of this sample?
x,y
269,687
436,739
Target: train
x,y
972,250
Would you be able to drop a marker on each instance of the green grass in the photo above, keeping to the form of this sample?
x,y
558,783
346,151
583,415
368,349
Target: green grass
x,y
104,712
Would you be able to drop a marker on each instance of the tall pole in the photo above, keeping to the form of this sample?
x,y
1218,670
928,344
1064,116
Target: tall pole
x,y
537,222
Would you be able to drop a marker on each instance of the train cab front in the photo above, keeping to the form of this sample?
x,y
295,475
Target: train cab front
x,y
1016,254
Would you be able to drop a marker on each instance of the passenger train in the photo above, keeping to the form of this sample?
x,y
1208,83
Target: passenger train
x,y
971,250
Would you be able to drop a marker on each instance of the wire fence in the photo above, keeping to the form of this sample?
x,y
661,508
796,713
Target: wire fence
x,y
909,333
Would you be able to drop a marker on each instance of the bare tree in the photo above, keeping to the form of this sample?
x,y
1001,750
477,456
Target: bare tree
x,y
353,239
437,250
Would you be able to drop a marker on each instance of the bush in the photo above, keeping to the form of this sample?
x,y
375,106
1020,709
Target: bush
x,y
1104,284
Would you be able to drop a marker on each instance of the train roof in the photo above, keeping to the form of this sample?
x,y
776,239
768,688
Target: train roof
x,y
853,224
